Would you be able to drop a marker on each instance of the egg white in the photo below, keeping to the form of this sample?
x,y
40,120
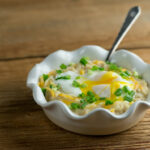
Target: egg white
x,y
67,84
102,83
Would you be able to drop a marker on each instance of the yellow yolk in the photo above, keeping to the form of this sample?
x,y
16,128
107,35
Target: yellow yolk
x,y
108,78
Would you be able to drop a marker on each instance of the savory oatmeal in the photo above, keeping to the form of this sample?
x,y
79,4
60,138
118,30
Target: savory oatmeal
x,y
91,84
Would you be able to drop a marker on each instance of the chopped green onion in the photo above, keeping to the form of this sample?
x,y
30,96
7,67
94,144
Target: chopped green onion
x,y
83,103
87,99
95,68
131,93
63,66
45,77
78,77
84,60
74,106
75,83
102,98
125,74
67,77
128,98
125,89
91,99
118,92
90,93
128,73
55,87
59,71
43,90
108,102
114,67
82,95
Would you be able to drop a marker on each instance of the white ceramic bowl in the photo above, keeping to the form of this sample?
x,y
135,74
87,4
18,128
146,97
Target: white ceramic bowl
x,y
99,121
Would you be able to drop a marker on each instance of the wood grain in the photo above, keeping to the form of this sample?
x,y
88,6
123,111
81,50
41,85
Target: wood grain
x,y
29,31
31,28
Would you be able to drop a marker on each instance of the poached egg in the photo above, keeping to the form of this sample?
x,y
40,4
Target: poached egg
x,y
102,83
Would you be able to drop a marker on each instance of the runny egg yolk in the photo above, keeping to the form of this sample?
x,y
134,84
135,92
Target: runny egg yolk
x,y
108,78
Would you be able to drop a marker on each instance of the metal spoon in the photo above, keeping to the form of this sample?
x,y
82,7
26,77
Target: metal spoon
x,y
132,15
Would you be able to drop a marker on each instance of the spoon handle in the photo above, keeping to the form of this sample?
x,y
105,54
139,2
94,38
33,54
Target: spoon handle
x,y
133,14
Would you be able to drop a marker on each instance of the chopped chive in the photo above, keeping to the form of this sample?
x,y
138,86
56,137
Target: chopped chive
x,y
114,67
59,71
82,101
82,95
128,73
74,106
78,77
55,87
90,93
118,92
125,74
102,98
128,98
45,77
75,83
101,68
108,102
131,93
84,60
63,66
91,99
83,105
43,90
95,68
125,89
67,77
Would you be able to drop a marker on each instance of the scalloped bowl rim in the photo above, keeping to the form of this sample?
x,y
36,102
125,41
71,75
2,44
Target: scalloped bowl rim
x,y
66,109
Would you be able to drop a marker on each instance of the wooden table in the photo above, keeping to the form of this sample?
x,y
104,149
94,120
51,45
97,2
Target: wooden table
x,y
32,29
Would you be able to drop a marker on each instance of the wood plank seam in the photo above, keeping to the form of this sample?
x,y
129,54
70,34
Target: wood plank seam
x,y
42,56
